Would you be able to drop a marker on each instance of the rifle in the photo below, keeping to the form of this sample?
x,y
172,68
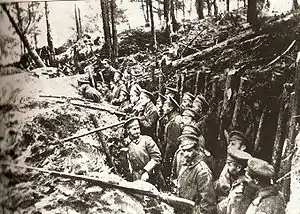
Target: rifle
x,y
93,131
65,97
88,105
172,200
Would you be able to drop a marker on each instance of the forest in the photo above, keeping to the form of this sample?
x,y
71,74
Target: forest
x,y
241,56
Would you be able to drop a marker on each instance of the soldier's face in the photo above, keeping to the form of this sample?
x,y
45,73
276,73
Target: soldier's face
x,y
134,130
167,107
234,144
117,77
143,98
233,168
189,154
185,103
134,98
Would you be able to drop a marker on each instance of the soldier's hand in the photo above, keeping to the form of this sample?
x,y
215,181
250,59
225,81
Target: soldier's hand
x,y
145,176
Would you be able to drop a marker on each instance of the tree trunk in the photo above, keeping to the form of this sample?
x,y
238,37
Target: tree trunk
x,y
209,3
238,103
295,5
227,5
199,8
79,23
36,58
76,23
167,19
115,48
215,8
106,28
197,87
153,34
49,37
252,13
147,13
20,26
278,143
172,14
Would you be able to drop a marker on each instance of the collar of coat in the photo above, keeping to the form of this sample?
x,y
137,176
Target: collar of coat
x,y
264,193
128,141
194,162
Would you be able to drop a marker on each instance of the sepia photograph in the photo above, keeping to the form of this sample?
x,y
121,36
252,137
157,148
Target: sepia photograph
x,y
150,107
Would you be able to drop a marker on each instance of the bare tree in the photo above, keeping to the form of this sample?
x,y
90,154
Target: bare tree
x,y
114,31
154,42
227,5
49,36
36,58
106,28
295,5
199,8
252,13
167,19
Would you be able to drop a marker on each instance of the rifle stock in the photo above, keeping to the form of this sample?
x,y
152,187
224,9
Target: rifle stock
x,y
167,198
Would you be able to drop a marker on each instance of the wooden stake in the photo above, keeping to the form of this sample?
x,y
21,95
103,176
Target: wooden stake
x,y
259,129
278,143
197,83
225,102
103,144
238,103
291,136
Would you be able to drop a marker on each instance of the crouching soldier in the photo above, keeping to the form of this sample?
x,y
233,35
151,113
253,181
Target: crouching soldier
x,y
194,178
143,154
267,200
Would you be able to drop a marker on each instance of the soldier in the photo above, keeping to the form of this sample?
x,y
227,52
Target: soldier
x,y
237,140
147,113
237,202
171,132
134,96
194,178
91,93
107,72
187,101
120,95
143,152
267,200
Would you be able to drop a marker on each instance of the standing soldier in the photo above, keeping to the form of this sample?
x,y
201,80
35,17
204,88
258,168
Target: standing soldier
x,y
268,200
134,96
194,178
239,197
171,133
237,140
120,95
147,113
143,153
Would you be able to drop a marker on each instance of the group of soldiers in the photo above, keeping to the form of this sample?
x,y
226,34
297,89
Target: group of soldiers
x,y
164,145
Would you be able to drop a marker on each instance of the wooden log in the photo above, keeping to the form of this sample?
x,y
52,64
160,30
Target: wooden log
x,y
259,130
278,143
225,102
104,144
238,103
205,52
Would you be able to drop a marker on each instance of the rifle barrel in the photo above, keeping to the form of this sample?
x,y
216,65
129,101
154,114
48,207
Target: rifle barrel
x,y
93,131
170,199
100,108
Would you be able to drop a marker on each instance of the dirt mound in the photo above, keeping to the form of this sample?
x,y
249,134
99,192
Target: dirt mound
x,y
32,128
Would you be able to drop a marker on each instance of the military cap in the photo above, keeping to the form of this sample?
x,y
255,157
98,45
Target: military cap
x,y
172,91
129,121
259,168
238,156
172,101
148,93
190,129
187,141
239,136
188,96
190,112
200,103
